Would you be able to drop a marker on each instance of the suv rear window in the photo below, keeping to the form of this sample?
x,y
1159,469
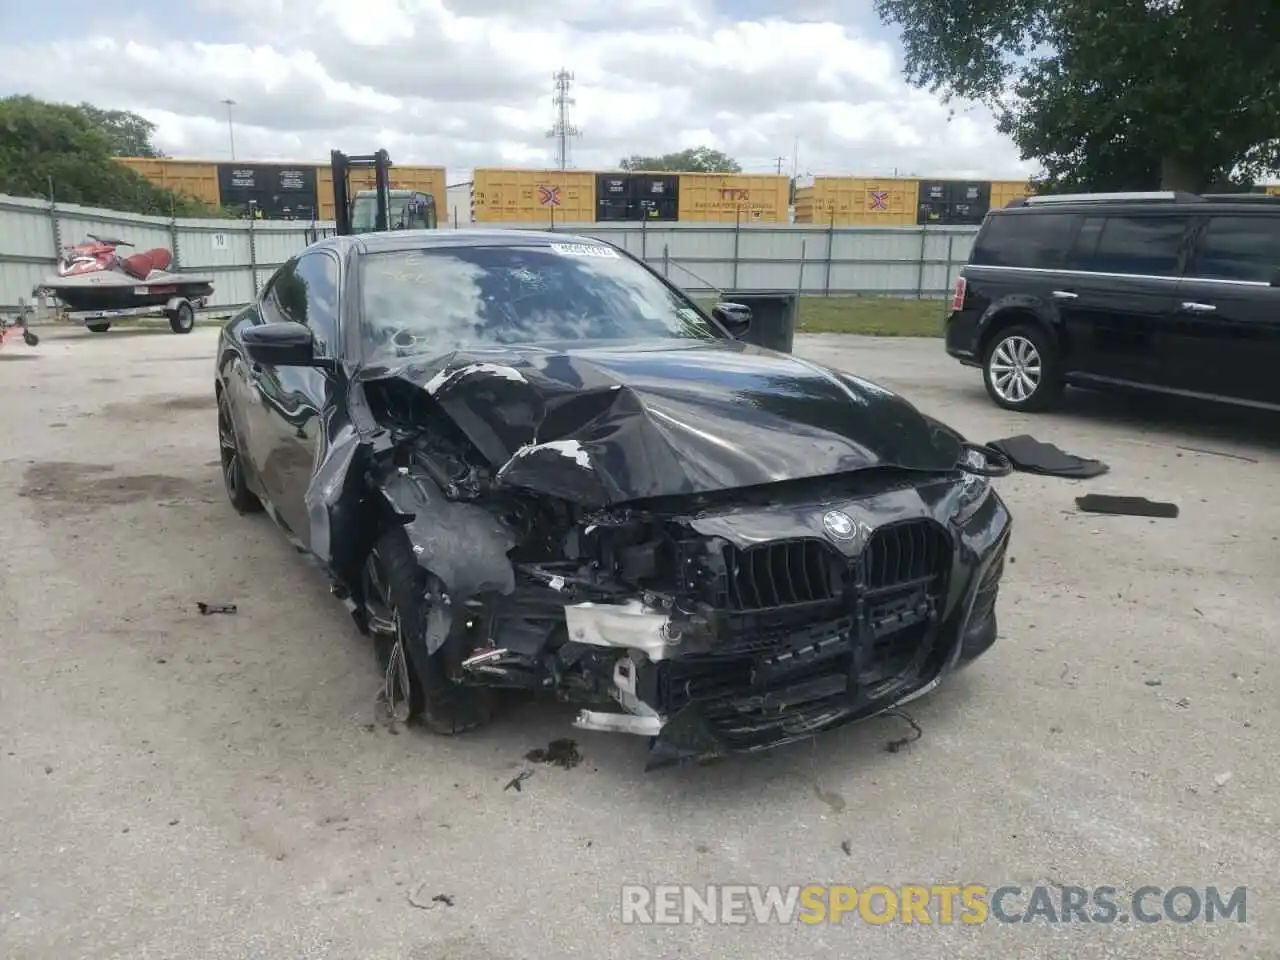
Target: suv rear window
x,y
1238,248
1024,240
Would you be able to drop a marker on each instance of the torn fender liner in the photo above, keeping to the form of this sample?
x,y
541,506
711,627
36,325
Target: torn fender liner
x,y
462,544
324,493
607,423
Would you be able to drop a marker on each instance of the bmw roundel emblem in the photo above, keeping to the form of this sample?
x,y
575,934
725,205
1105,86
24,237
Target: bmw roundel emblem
x,y
839,525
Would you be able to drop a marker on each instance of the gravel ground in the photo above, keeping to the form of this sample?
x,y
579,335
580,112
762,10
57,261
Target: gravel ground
x,y
178,785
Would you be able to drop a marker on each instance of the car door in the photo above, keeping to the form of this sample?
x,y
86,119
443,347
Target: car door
x,y
1229,309
1119,295
293,399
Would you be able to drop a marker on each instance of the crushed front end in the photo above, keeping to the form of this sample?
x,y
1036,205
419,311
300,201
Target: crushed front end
x,y
741,644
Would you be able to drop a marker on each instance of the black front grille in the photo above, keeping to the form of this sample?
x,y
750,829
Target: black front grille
x,y
910,552
782,574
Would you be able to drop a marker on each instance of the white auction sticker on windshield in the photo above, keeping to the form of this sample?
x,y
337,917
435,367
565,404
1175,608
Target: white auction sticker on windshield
x,y
583,250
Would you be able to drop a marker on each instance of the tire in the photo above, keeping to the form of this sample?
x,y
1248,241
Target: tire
x,y
1030,354
183,319
29,338
231,459
98,327
399,611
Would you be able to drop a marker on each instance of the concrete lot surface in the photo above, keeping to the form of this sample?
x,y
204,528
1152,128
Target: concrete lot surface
x,y
177,785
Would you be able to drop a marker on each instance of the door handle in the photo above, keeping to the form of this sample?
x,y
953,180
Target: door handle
x,y
1064,295
1192,307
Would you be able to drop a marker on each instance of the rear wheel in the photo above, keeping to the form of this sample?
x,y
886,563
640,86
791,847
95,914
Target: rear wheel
x,y
1022,369
232,461
98,327
403,605
183,319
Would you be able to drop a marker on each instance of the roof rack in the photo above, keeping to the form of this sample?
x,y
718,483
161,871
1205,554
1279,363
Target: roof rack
x,y
1241,197
1149,196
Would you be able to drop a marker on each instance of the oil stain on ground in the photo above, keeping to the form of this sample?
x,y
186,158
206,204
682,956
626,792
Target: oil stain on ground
x,y
159,408
93,485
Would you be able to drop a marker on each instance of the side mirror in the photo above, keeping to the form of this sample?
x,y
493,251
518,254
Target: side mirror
x,y
734,317
283,344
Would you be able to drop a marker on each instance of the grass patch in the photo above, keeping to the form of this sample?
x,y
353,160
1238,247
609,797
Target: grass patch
x,y
869,316
872,316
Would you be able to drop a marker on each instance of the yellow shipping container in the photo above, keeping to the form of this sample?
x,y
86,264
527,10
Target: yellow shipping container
x,y
193,178
1272,189
503,195
858,202
1003,191
730,197
428,180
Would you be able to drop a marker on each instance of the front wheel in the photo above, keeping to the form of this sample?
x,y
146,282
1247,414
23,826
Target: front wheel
x,y
183,319
403,606
1022,369
232,461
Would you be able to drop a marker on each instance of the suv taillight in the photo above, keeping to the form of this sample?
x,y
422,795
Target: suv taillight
x,y
957,298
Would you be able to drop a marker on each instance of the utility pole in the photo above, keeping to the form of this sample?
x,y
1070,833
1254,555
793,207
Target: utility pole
x,y
781,161
231,132
562,131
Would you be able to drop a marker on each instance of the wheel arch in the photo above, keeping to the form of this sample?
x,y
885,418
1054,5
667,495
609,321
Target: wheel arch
x,y
1018,312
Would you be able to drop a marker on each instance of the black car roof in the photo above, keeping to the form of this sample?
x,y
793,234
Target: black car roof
x,y
392,241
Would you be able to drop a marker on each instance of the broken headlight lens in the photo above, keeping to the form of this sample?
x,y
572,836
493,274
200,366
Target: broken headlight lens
x,y
974,486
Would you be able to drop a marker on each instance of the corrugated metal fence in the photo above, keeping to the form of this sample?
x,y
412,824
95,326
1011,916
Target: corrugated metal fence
x,y
701,258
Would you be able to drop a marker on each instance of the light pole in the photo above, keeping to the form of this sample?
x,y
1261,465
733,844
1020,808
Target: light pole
x,y
231,133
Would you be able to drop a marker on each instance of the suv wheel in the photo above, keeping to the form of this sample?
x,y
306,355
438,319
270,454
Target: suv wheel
x,y
1021,369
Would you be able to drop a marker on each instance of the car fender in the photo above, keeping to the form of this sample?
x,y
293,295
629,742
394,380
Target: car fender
x,y
1018,308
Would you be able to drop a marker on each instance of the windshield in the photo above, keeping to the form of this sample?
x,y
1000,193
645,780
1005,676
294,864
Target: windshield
x,y
446,298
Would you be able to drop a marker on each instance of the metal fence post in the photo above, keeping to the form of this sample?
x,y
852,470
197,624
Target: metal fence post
x,y
644,240
56,230
253,256
173,242
951,250
804,251
831,240
737,240
924,231
666,260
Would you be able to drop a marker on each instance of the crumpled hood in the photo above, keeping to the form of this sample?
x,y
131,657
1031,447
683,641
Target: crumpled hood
x,y
603,423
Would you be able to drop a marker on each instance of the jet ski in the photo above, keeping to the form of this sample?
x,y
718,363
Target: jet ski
x,y
93,276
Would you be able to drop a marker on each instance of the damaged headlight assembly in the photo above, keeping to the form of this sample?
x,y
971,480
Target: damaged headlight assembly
x,y
978,465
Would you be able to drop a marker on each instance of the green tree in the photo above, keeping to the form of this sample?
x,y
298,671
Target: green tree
x,y
1111,94
693,160
62,152
130,134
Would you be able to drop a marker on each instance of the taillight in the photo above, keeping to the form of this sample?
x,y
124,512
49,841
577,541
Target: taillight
x,y
957,298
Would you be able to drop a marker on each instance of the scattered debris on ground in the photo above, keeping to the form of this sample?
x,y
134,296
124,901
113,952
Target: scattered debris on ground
x,y
893,746
847,847
207,608
1029,455
519,778
562,753
1126,506
415,898
1218,453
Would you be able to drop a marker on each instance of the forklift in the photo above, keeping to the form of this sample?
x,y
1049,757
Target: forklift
x,y
379,209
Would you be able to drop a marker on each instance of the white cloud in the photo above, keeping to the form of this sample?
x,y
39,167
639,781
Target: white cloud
x,y
467,83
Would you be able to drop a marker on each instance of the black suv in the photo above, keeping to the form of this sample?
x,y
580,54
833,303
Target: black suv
x,y
1172,292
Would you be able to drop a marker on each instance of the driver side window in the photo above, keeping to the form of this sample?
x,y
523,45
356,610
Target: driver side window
x,y
306,291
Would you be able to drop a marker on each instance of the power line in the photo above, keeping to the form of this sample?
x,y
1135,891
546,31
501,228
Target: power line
x,y
563,131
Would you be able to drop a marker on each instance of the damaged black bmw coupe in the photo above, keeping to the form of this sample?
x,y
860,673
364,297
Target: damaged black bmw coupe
x,y
527,461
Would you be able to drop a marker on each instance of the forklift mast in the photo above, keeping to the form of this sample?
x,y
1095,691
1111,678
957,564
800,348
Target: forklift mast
x,y
342,166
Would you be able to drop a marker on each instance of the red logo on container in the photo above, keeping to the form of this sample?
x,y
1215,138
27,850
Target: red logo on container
x,y
549,196
879,200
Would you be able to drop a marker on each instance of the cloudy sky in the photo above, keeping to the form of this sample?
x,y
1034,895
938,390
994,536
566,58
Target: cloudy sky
x,y
468,83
